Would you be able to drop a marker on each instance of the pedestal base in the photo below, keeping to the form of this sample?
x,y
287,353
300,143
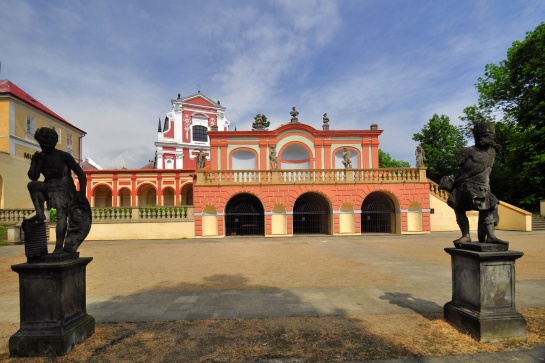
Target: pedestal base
x,y
51,343
490,328
483,295
52,305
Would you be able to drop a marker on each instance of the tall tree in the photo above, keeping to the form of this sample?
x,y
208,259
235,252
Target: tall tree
x,y
514,90
441,141
386,161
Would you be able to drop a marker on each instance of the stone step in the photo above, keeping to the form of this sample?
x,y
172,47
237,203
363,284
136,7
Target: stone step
x,y
538,223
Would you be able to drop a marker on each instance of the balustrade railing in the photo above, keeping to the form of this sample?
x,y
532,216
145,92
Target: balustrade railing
x,y
439,193
13,216
141,214
312,176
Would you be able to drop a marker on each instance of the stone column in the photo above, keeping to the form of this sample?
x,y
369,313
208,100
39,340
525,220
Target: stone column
x,y
483,295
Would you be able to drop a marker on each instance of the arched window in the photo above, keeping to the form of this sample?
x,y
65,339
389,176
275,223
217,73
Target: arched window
x,y
199,133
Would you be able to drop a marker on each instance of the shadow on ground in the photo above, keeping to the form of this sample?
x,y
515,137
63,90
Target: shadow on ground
x,y
404,300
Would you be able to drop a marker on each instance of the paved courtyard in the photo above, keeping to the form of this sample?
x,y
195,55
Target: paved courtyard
x,y
234,277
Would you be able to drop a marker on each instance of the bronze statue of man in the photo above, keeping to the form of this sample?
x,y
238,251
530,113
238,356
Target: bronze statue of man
x,y
471,190
59,192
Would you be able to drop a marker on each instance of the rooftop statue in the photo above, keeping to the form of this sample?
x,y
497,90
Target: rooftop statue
x,y
420,156
294,113
58,191
471,188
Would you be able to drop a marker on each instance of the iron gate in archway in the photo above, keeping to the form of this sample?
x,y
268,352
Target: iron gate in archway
x,y
377,214
311,215
244,216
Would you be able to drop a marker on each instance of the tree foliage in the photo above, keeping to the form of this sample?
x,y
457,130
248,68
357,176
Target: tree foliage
x,y
386,161
514,92
441,141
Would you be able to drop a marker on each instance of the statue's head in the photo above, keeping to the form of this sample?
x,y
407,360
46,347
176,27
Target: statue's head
x,y
484,134
47,137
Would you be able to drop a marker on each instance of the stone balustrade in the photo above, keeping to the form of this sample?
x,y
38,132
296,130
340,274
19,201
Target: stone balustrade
x,y
312,176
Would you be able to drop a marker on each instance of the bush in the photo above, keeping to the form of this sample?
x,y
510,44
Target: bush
x,y
53,215
3,234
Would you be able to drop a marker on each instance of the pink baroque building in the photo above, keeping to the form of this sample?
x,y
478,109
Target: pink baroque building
x,y
184,131
298,180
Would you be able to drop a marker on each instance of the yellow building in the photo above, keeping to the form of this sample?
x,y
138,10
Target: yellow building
x,y
20,116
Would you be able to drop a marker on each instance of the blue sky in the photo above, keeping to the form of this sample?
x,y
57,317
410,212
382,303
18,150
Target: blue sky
x,y
112,67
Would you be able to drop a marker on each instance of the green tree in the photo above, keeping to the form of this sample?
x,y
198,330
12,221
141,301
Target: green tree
x,y
264,122
441,141
514,91
386,161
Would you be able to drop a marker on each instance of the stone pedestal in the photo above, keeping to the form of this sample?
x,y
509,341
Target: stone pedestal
x,y
52,305
483,295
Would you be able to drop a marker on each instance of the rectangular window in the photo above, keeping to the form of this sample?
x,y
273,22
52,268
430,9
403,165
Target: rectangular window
x,y
69,144
199,133
30,125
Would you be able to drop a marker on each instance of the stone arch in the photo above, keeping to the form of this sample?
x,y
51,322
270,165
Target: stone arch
x,y
125,197
378,214
187,194
147,195
168,197
244,216
243,159
295,155
311,214
102,196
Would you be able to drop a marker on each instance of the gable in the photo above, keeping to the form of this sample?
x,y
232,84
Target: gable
x,y
200,101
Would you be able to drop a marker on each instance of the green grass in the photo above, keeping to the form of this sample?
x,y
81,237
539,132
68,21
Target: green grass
x,y
3,235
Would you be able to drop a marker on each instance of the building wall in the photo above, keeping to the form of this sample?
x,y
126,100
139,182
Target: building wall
x,y
284,196
140,183
17,147
13,181
4,125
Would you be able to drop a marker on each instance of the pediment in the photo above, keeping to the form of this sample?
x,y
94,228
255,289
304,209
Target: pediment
x,y
199,99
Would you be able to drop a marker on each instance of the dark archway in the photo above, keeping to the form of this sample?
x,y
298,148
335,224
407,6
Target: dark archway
x,y
244,216
378,214
311,215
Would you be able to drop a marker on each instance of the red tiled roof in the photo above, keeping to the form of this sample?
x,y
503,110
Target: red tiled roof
x,y
7,87
150,165
88,166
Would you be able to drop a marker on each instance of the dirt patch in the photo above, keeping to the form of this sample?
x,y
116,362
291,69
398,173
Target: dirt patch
x,y
310,339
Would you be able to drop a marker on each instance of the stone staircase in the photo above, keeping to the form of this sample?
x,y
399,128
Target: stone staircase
x,y
538,223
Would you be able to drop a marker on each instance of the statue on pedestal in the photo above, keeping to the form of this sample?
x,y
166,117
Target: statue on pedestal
x,y
201,159
294,113
273,158
58,191
346,159
471,189
420,156
325,120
